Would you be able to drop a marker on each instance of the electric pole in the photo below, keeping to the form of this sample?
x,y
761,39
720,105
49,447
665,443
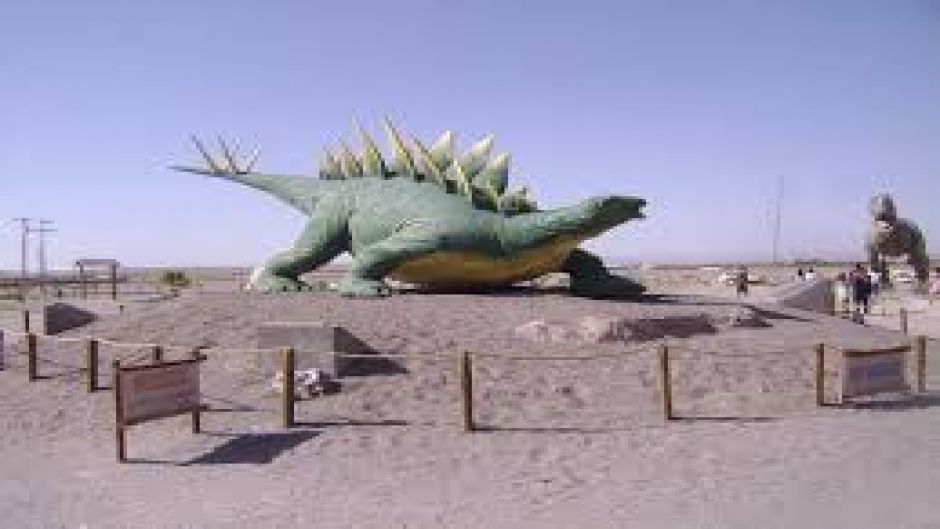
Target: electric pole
x,y
42,231
24,242
776,243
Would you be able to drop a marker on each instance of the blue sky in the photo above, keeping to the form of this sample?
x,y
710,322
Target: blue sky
x,y
697,106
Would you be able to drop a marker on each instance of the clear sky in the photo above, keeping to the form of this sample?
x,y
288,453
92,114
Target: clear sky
x,y
697,106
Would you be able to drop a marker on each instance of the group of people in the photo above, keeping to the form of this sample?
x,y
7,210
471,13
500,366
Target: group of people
x,y
858,287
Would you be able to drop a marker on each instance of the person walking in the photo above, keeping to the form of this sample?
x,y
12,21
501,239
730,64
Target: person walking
x,y
861,287
740,282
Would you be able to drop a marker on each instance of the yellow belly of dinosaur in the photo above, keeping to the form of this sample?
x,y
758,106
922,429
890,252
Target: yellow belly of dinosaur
x,y
455,269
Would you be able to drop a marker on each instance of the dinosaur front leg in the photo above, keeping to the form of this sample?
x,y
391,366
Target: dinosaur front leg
x,y
320,242
590,279
373,263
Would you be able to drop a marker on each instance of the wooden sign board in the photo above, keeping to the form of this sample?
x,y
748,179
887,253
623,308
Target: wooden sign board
x,y
875,371
162,390
145,393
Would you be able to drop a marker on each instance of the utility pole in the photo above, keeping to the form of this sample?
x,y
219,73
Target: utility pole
x,y
42,231
24,267
776,243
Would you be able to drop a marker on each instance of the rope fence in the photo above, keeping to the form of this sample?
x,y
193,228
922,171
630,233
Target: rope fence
x,y
666,358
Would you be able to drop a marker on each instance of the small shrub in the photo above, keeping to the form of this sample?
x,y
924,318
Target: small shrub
x,y
175,279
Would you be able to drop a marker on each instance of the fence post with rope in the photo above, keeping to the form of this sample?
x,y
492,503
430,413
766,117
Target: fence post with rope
x,y
466,391
666,376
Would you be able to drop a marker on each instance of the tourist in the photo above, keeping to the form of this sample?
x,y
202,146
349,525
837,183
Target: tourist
x,y
810,274
741,282
842,292
861,288
799,274
875,281
935,281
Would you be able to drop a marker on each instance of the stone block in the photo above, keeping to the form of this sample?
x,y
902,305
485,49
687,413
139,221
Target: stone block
x,y
316,345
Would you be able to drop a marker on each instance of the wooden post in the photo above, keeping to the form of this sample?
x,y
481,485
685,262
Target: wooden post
x,y
920,347
197,419
26,321
287,401
91,364
820,374
667,382
903,313
32,357
114,281
157,354
466,391
118,412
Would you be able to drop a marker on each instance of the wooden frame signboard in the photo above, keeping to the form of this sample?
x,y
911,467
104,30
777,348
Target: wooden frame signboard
x,y
874,371
150,392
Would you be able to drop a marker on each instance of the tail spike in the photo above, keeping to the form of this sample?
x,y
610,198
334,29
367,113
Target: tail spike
x,y
255,154
213,166
228,156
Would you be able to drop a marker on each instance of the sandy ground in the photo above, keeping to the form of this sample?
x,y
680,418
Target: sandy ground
x,y
575,443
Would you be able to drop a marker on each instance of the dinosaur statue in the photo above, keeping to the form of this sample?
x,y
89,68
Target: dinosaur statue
x,y
428,218
892,236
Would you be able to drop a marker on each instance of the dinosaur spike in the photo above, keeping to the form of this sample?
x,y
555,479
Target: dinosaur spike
x,y
351,167
403,164
442,152
486,196
519,202
252,160
475,159
495,174
229,157
205,154
456,174
330,167
426,163
372,162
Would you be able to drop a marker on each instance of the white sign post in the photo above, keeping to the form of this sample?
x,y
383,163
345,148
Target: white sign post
x,y
146,393
874,371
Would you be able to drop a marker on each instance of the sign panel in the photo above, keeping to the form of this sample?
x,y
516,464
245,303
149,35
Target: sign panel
x,y
869,374
159,391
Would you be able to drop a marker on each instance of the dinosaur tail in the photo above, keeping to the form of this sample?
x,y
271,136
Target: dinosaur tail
x,y
298,191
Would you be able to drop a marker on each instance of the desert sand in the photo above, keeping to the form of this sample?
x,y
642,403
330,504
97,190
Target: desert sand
x,y
575,442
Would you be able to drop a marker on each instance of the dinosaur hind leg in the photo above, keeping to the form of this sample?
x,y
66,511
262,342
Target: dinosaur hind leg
x,y
320,242
373,263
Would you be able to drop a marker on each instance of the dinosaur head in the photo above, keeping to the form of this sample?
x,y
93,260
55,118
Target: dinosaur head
x,y
882,209
603,213
574,223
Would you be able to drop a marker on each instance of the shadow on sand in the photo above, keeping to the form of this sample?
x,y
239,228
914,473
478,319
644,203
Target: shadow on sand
x,y
253,448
